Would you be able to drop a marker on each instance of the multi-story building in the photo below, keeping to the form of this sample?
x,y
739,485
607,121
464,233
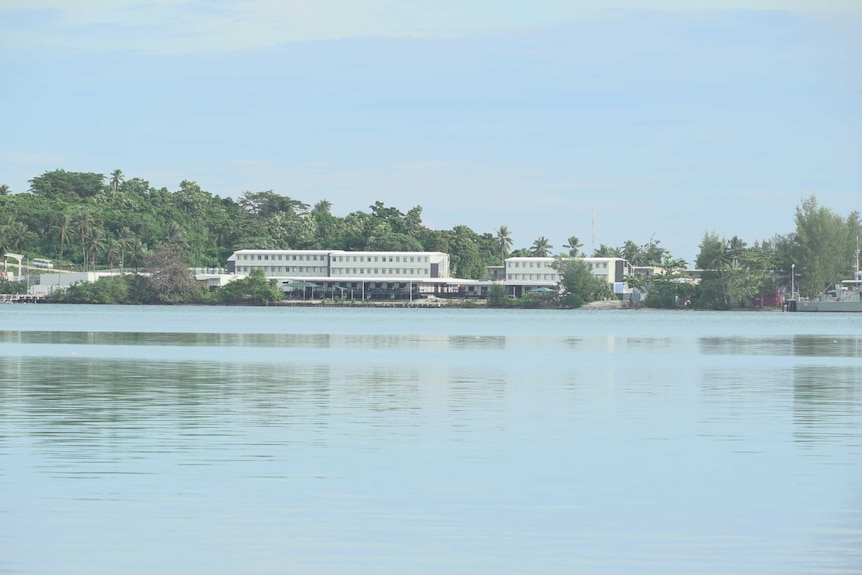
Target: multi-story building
x,y
281,263
334,271
341,264
379,273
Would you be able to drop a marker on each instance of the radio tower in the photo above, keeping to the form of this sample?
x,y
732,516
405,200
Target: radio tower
x,y
594,231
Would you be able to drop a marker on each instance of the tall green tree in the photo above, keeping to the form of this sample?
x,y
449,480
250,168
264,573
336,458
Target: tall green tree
x,y
574,245
825,244
96,242
504,241
605,251
64,230
60,184
541,247
117,178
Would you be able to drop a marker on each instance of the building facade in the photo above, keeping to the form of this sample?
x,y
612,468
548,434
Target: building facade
x,y
529,269
321,264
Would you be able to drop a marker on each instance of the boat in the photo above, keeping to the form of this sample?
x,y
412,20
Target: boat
x,y
843,296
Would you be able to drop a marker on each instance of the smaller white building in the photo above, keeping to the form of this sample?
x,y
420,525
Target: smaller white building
x,y
532,272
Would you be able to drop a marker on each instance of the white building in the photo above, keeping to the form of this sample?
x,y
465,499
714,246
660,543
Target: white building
x,y
325,264
362,274
525,273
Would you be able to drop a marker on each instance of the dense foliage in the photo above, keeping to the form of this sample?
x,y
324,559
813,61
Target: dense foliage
x,y
88,221
85,220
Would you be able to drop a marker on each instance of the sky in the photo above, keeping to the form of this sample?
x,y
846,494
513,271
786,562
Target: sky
x,y
615,120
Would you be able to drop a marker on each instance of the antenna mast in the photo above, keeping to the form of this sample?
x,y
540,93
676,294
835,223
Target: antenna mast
x,y
594,235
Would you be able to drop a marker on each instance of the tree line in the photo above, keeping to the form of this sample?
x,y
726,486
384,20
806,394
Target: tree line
x,y
87,220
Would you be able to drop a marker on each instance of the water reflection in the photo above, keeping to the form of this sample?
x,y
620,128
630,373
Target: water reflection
x,y
827,402
794,345
653,452
257,340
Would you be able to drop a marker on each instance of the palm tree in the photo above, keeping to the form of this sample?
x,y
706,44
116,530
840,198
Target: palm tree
x,y
605,251
322,207
633,253
735,248
83,223
4,190
504,241
117,178
95,241
18,236
541,247
112,251
174,234
574,245
64,228
124,239
137,252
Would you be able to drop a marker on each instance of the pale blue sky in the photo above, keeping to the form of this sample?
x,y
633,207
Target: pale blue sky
x,y
667,120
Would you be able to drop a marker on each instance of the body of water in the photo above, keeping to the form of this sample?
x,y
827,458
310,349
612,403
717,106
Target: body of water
x,y
273,440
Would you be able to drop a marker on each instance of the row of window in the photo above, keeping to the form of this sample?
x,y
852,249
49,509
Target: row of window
x,y
537,264
534,277
542,264
321,257
380,271
406,259
277,269
544,277
278,257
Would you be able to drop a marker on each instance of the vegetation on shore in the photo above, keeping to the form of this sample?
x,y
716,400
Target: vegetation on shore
x,y
88,221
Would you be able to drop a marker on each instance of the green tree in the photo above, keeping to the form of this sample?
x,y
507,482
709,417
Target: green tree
x,y
18,236
574,245
60,184
255,289
604,251
4,190
137,251
577,283
125,237
117,178
541,247
504,242
497,296
669,288
825,244
64,230
95,243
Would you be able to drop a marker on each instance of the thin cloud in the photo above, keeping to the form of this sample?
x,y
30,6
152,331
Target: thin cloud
x,y
178,26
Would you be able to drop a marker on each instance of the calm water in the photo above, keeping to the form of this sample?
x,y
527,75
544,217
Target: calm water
x,y
208,440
